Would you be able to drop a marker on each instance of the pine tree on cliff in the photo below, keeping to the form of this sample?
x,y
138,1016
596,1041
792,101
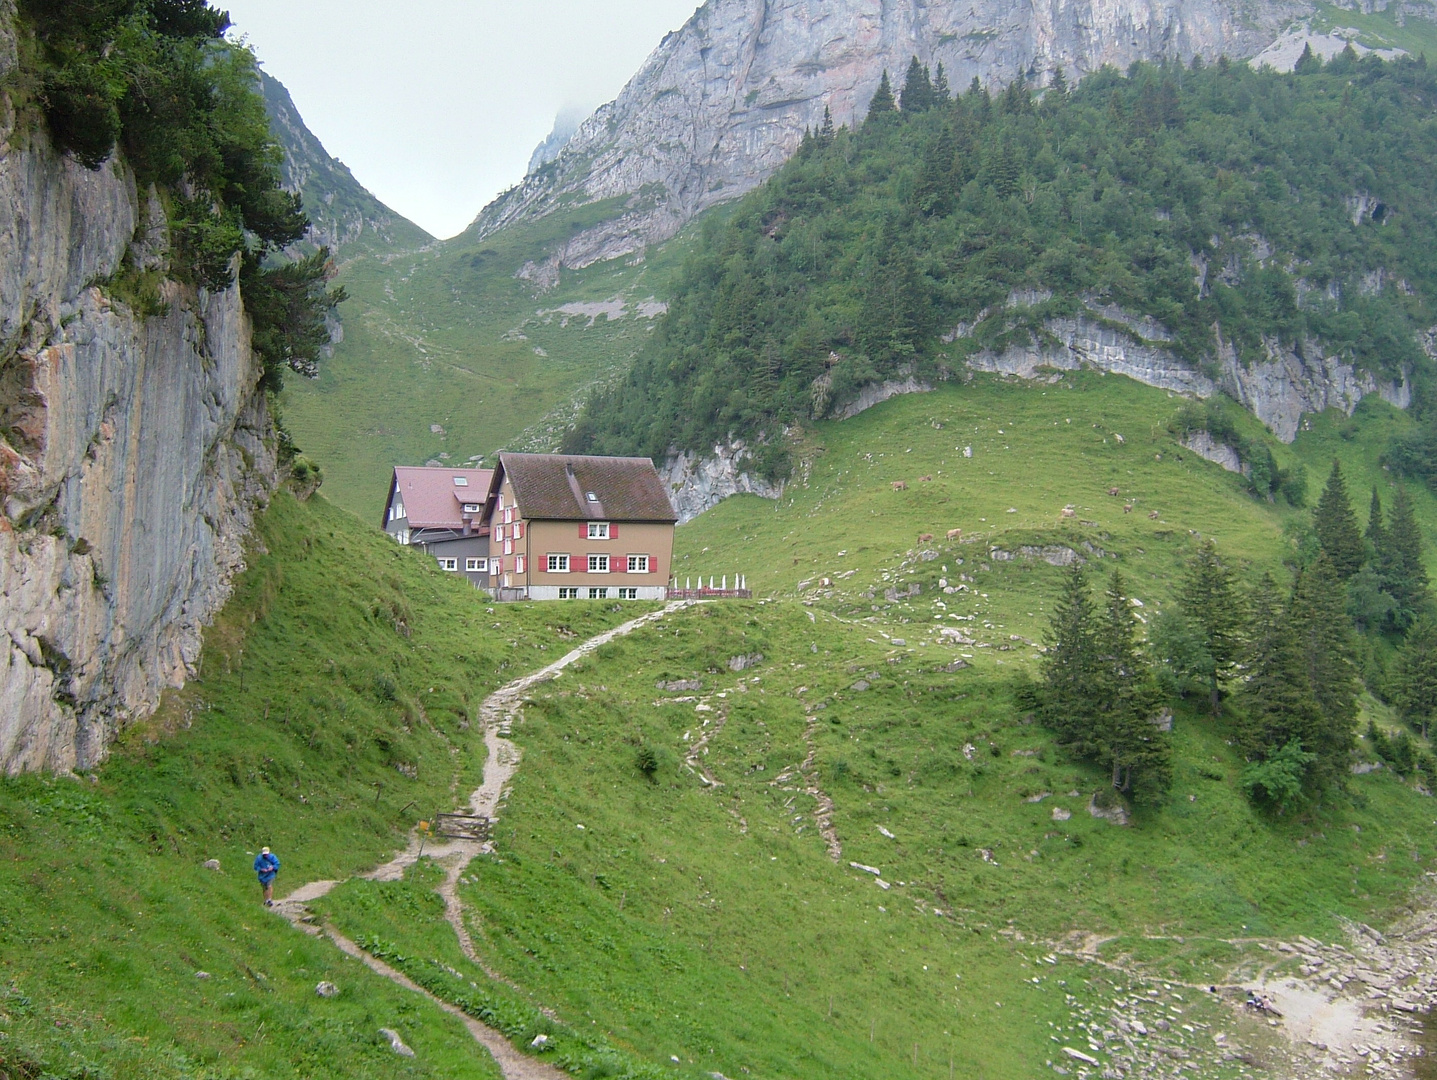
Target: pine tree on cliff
x,y
1058,87
882,98
825,132
917,89
1406,577
941,93
1210,600
1336,526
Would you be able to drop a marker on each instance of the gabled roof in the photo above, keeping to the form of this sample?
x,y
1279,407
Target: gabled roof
x,y
564,487
434,498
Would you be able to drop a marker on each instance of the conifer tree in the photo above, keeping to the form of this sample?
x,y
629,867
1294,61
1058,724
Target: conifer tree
x,y
1414,675
1336,526
1277,697
917,89
1325,648
1070,667
882,101
825,132
1209,599
941,93
1123,733
1376,531
1059,84
1406,576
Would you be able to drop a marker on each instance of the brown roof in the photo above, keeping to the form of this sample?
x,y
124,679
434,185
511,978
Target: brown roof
x,y
556,487
433,499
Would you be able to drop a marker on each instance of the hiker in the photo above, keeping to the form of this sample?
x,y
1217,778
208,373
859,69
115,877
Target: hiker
x,y
266,866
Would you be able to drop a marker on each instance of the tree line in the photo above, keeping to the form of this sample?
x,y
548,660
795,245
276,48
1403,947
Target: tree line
x,y
1279,665
157,82
1214,198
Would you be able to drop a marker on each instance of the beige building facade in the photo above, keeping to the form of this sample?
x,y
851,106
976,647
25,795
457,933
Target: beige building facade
x,y
567,527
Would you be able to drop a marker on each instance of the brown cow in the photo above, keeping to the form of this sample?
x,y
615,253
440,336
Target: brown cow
x,y
1112,491
1127,508
925,538
953,534
925,479
1152,515
900,485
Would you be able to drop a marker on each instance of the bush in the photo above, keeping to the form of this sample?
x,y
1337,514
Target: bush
x,y
1278,781
646,758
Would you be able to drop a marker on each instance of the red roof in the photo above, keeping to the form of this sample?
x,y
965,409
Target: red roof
x,y
434,498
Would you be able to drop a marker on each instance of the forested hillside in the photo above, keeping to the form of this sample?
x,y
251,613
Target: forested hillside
x,y
1237,208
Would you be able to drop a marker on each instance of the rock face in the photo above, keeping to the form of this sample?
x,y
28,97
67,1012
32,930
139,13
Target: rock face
x,y
695,483
133,453
342,212
723,102
1278,390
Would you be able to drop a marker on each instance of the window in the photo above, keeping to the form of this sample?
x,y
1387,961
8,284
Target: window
x,y
558,564
520,564
508,546
638,564
518,530
566,593
396,511
461,481
403,536
598,530
476,566
591,496
448,564
598,594
508,514
471,508
628,594
598,564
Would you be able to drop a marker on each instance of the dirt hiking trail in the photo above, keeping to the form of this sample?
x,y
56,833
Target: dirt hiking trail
x,y
496,715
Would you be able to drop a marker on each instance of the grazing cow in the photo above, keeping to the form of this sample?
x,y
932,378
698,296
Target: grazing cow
x,y
900,485
1112,491
925,538
925,479
1068,512
1127,508
953,534
1152,515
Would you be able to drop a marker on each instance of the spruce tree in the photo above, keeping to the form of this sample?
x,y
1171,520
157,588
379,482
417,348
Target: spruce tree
x,y
1059,84
1336,526
1123,733
825,132
1406,576
1414,676
941,94
1071,667
917,89
1376,532
1209,599
882,101
1276,699
1325,648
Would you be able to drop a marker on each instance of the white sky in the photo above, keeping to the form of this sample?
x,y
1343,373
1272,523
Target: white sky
x,y
436,105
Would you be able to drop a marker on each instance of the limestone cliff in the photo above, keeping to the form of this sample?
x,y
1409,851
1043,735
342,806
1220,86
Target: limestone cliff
x,y
342,212
722,102
133,454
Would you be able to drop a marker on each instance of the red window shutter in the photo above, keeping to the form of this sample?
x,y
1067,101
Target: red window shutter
x,y
613,531
618,564
583,530
653,565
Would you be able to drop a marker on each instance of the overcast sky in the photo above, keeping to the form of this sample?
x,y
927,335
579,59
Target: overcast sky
x,y
436,105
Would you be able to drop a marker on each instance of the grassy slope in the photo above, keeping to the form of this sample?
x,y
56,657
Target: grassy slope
x,y
311,695
431,337
709,924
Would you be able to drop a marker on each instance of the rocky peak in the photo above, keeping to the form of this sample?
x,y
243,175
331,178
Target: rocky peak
x,y
724,101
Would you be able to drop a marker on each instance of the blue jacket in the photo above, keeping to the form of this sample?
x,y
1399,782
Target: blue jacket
x,y
265,866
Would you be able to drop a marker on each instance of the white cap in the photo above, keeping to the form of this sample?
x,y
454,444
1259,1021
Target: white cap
x,y
264,851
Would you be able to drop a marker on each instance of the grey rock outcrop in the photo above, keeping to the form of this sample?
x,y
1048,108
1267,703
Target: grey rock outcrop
x,y
1279,390
1204,445
133,453
342,212
696,483
722,102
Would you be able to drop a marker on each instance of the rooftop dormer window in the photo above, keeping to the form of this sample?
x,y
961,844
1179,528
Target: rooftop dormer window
x,y
471,508
461,481
591,496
